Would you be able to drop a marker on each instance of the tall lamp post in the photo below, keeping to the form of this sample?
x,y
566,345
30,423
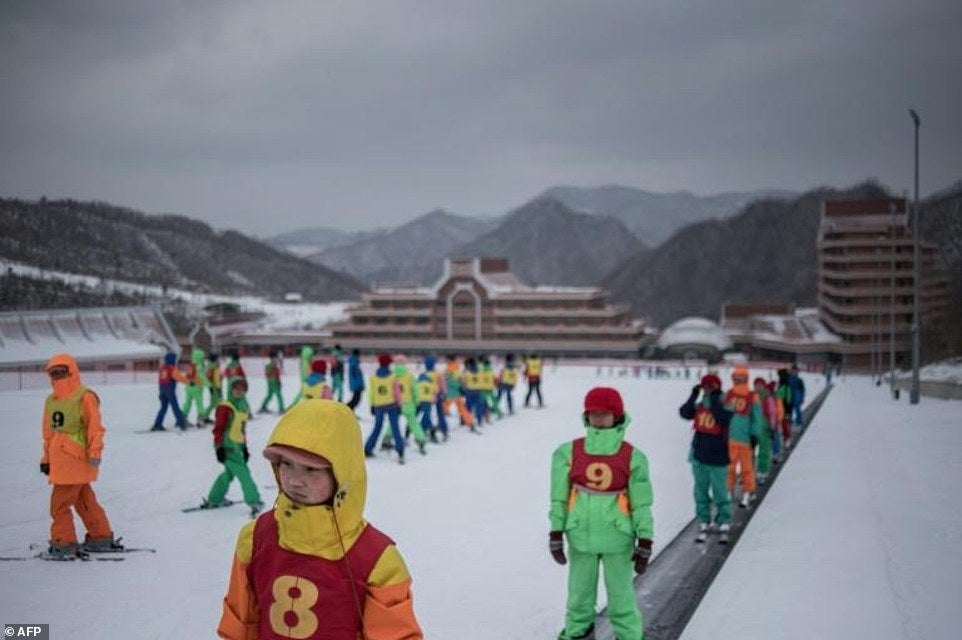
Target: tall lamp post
x,y
916,274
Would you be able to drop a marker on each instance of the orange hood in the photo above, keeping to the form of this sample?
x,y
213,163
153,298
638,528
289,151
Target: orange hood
x,y
64,387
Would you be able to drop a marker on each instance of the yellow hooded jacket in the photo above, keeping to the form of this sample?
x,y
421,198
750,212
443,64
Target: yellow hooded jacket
x,y
328,429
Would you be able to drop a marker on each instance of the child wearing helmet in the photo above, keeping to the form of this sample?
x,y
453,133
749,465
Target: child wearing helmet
x,y
709,456
313,567
601,501
230,447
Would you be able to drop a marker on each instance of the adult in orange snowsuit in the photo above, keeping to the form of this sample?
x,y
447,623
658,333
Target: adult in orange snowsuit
x,y
73,443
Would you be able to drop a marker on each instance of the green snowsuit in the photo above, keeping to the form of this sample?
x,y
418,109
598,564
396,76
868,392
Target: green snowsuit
x,y
230,434
599,530
307,354
213,383
272,373
763,454
194,389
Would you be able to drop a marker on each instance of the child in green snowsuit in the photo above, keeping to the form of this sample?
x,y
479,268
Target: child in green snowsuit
x,y
230,446
272,373
307,356
601,500
194,389
409,408
212,380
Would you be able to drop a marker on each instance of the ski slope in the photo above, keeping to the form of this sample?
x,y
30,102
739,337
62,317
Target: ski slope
x,y
470,518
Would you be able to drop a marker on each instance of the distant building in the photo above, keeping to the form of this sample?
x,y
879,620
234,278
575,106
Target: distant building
x,y
478,306
116,339
865,260
780,333
693,338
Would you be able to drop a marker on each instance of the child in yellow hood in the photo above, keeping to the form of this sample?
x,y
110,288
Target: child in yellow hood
x,y
312,567
73,442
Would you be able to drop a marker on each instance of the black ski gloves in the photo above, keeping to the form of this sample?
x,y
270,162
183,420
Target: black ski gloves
x,y
45,468
557,547
247,455
642,555
753,440
221,455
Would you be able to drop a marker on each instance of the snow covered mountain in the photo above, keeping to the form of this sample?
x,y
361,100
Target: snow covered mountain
x,y
103,240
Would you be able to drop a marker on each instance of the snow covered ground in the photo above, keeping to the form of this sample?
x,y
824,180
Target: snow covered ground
x,y
858,526
860,536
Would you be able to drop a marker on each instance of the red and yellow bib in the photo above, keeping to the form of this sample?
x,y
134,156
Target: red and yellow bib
x,y
600,473
308,597
705,422
740,402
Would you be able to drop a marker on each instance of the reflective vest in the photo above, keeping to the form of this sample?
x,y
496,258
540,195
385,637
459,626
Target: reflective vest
x,y
213,375
509,376
237,430
405,383
66,416
427,391
303,596
534,368
382,390
486,378
472,381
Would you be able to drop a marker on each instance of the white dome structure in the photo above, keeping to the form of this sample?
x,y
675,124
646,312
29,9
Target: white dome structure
x,y
694,337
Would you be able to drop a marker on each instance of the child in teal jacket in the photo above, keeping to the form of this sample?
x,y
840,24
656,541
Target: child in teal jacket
x,y
601,501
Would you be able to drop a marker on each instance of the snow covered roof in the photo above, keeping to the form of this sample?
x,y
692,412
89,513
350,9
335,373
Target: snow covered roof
x,y
29,338
694,331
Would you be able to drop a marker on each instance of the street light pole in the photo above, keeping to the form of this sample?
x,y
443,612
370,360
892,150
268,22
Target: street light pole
x,y
892,231
916,274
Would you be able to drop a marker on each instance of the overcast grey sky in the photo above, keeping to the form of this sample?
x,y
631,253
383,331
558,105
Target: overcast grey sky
x,y
269,116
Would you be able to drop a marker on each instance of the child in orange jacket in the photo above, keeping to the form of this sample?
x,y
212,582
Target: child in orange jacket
x,y
312,567
73,442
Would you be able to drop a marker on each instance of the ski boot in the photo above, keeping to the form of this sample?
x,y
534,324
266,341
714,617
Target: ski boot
x,y
444,436
400,460
723,530
704,528
589,634
207,504
746,500
102,544
63,551
256,508
433,435
422,449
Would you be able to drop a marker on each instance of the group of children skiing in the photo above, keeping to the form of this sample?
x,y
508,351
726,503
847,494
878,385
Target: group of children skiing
x,y
288,573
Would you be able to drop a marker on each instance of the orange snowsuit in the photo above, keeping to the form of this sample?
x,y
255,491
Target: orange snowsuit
x,y
73,441
454,371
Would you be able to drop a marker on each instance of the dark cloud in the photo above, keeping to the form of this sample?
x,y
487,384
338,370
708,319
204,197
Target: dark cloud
x,y
269,116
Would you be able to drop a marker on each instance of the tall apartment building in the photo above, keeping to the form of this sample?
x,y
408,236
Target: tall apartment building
x,y
865,280
479,306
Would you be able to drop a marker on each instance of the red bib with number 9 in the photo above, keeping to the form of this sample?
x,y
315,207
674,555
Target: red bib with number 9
x,y
598,472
